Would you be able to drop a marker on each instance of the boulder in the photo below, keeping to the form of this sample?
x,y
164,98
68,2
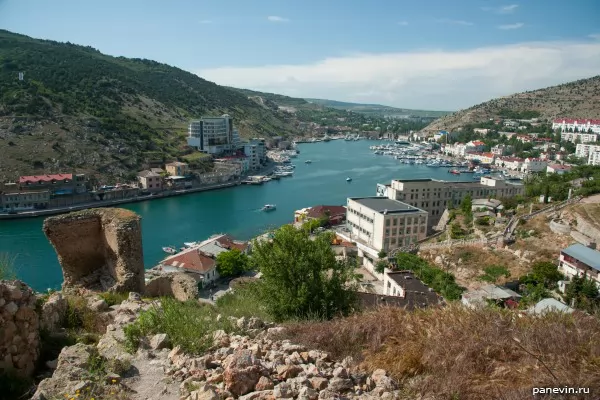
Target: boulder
x,y
159,341
242,372
178,285
100,249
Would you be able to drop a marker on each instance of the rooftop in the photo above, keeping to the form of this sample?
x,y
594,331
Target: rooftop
x,y
148,174
45,178
413,285
549,305
176,164
492,292
319,211
383,204
584,254
190,259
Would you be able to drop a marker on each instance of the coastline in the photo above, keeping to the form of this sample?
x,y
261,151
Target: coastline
x,y
108,203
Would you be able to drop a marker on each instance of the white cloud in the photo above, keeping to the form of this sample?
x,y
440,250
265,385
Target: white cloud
x,y
275,18
442,80
595,36
511,26
454,22
206,21
508,9
403,23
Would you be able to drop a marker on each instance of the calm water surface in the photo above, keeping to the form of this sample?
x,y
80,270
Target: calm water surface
x,y
235,211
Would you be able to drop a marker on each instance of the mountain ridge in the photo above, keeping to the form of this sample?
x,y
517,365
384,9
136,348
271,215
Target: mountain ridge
x,y
576,99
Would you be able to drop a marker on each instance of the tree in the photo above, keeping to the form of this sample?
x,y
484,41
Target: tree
x,y
382,254
582,293
232,263
301,278
466,205
543,273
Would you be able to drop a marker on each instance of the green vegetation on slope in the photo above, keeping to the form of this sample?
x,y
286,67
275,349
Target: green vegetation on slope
x,y
377,109
121,108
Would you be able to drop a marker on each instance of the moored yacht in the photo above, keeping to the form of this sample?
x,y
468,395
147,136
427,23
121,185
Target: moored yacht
x,y
269,207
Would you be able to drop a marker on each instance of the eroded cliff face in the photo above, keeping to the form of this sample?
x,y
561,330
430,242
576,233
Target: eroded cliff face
x,y
99,249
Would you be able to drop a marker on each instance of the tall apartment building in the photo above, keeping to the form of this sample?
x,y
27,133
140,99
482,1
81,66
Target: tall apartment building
x,y
435,196
580,125
589,151
581,137
213,135
385,224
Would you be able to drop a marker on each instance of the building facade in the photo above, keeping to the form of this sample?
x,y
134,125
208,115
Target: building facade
x,y
435,196
213,135
14,201
581,137
150,181
177,168
512,163
534,165
579,125
578,260
56,184
385,224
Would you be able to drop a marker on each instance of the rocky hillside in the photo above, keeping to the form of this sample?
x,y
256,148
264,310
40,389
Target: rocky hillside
x,y
579,99
80,110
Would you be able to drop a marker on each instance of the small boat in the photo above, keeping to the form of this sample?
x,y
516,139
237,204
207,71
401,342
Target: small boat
x,y
454,171
169,249
190,244
307,162
348,179
269,207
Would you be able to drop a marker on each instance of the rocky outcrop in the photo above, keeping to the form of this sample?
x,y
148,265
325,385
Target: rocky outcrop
x,y
254,365
53,311
180,286
99,249
19,328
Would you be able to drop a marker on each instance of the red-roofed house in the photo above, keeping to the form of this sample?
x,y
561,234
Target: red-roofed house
x,y
557,169
475,146
336,214
194,262
579,125
58,184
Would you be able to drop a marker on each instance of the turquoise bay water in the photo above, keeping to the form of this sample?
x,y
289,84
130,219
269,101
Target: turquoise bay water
x,y
235,211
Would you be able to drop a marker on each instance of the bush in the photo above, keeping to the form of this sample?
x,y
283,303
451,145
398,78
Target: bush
x,y
493,272
243,302
456,231
301,277
189,325
113,298
483,221
442,282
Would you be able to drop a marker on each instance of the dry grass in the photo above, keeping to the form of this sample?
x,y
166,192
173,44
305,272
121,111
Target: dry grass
x,y
455,352
467,263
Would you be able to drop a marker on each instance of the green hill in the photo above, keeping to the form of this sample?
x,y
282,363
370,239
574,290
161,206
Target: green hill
x,y
80,110
578,99
377,109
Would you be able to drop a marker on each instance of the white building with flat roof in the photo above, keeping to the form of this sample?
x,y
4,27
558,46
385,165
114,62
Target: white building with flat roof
x,y
581,137
213,135
435,196
385,224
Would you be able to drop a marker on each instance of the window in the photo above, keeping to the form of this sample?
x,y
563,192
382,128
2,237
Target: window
x,y
395,221
387,222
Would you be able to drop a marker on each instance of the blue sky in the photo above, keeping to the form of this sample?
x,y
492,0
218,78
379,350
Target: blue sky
x,y
414,54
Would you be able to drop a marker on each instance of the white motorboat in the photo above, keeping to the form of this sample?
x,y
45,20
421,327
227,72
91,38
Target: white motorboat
x,y
348,179
190,244
307,162
169,249
269,207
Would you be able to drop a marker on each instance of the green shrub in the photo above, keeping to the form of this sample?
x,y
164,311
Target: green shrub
x,y
188,325
493,272
243,302
113,298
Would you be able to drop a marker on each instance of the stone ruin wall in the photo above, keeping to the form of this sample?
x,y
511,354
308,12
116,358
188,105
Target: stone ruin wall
x,y
19,328
100,249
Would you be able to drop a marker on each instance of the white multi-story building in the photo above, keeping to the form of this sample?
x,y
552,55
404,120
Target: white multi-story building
x,y
534,165
213,135
456,149
484,158
385,224
512,163
256,152
435,196
581,137
579,125
584,150
594,158
501,149
578,260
